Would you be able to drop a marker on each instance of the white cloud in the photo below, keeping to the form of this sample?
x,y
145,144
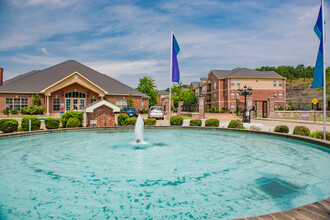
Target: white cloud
x,y
36,60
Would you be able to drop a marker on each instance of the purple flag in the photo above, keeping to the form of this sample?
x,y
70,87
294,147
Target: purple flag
x,y
175,65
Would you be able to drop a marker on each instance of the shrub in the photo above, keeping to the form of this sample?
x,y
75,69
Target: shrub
x,y
217,111
131,121
40,110
5,111
212,122
52,123
196,122
14,111
20,128
23,110
301,130
31,110
35,123
255,128
73,123
236,124
150,121
319,135
9,126
36,100
71,114
176,120
2,122
281,129
122,119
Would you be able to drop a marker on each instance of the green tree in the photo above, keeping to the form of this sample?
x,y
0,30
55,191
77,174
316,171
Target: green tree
x,y
188,97
147,86
130,102
36,100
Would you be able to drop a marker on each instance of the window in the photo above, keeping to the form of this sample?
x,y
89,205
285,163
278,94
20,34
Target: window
x,y
232,106
275,95
93,100
215,85
274,83
238,82
16,103
121,103
82,103
232,82
280,95
238,95
232,95
75,95
280,83
204,89
196,91
214,96
56,104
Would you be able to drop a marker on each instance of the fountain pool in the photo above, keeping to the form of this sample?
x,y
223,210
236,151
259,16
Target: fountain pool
x,y
178,174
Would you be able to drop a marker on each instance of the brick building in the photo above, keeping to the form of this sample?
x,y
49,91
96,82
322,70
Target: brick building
x,y
67,86
220,88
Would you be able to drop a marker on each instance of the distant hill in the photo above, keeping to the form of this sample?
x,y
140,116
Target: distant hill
x,y
300,91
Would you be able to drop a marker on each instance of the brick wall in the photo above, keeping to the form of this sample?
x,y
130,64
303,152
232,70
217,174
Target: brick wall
x,y
99,113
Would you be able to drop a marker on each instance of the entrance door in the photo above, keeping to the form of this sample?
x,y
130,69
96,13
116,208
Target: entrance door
x,y
75,104
68,104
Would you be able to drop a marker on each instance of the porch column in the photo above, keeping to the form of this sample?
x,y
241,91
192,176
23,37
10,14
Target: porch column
x,y
201,101
47,105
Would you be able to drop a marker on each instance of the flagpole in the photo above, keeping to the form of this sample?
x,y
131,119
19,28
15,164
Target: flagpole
x,y
324,77
171,69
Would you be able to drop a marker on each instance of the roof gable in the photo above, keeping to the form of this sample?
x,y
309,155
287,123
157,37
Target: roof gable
x,y
36,81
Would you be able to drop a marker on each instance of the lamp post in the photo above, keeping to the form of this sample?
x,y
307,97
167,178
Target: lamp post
x,y
246,91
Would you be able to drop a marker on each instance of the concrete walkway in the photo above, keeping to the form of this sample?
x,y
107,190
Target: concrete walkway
x,y
314,211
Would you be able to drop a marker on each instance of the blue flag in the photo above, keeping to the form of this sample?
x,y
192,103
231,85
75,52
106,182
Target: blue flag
x,y
319,66
175,65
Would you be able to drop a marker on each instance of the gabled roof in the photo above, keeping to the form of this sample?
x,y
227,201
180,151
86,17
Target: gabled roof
x,y
245,73
37,80
162,92
195,84
91,107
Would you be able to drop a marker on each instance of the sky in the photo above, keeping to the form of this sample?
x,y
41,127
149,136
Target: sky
x,y
129,39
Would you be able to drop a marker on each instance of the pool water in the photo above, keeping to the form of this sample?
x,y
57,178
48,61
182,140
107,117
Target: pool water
x,y
179,174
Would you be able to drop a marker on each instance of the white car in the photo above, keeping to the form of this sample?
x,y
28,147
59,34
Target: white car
x,y
156,112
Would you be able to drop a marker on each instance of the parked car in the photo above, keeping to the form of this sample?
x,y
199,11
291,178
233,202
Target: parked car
x,y
131,111
156,112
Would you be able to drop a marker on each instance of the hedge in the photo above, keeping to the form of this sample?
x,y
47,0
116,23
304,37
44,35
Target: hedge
x,y
281,129
13,111
301,130
196,122
131,121
176,120
35,123
149,121
9,126
236,124
12,123
73,123
319,135
212,122
122,119
52,123
5,112
71,114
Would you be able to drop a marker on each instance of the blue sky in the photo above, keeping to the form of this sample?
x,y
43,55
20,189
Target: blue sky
x,y
130,39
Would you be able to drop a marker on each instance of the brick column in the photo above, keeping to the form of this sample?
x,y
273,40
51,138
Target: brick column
x,y
167,106
180,104
201,102
270,107
47,105
85,119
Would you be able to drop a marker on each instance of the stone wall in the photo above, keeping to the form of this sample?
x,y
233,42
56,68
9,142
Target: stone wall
x,y
288,114
99,113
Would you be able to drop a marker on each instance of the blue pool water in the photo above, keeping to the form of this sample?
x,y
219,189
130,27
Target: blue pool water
x,y
179,174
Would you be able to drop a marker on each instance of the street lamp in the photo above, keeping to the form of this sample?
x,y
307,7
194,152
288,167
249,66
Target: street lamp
x,y
246,91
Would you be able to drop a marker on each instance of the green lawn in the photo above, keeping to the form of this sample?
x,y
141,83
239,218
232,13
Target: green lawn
x,y
309,118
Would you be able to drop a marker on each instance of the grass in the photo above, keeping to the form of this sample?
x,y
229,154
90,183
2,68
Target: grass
x,y
309,118
19,116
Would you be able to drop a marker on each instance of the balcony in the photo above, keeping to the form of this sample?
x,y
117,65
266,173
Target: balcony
x,y
209,90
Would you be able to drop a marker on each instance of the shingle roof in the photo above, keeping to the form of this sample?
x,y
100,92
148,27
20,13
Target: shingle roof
x,y
37,80
245,73
162,92
195,84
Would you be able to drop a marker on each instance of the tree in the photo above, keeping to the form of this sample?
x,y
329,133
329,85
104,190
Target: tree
x,y
130,102
36,100
147,86
188,97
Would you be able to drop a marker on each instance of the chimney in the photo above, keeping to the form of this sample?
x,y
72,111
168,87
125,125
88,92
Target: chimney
x,y
1,76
